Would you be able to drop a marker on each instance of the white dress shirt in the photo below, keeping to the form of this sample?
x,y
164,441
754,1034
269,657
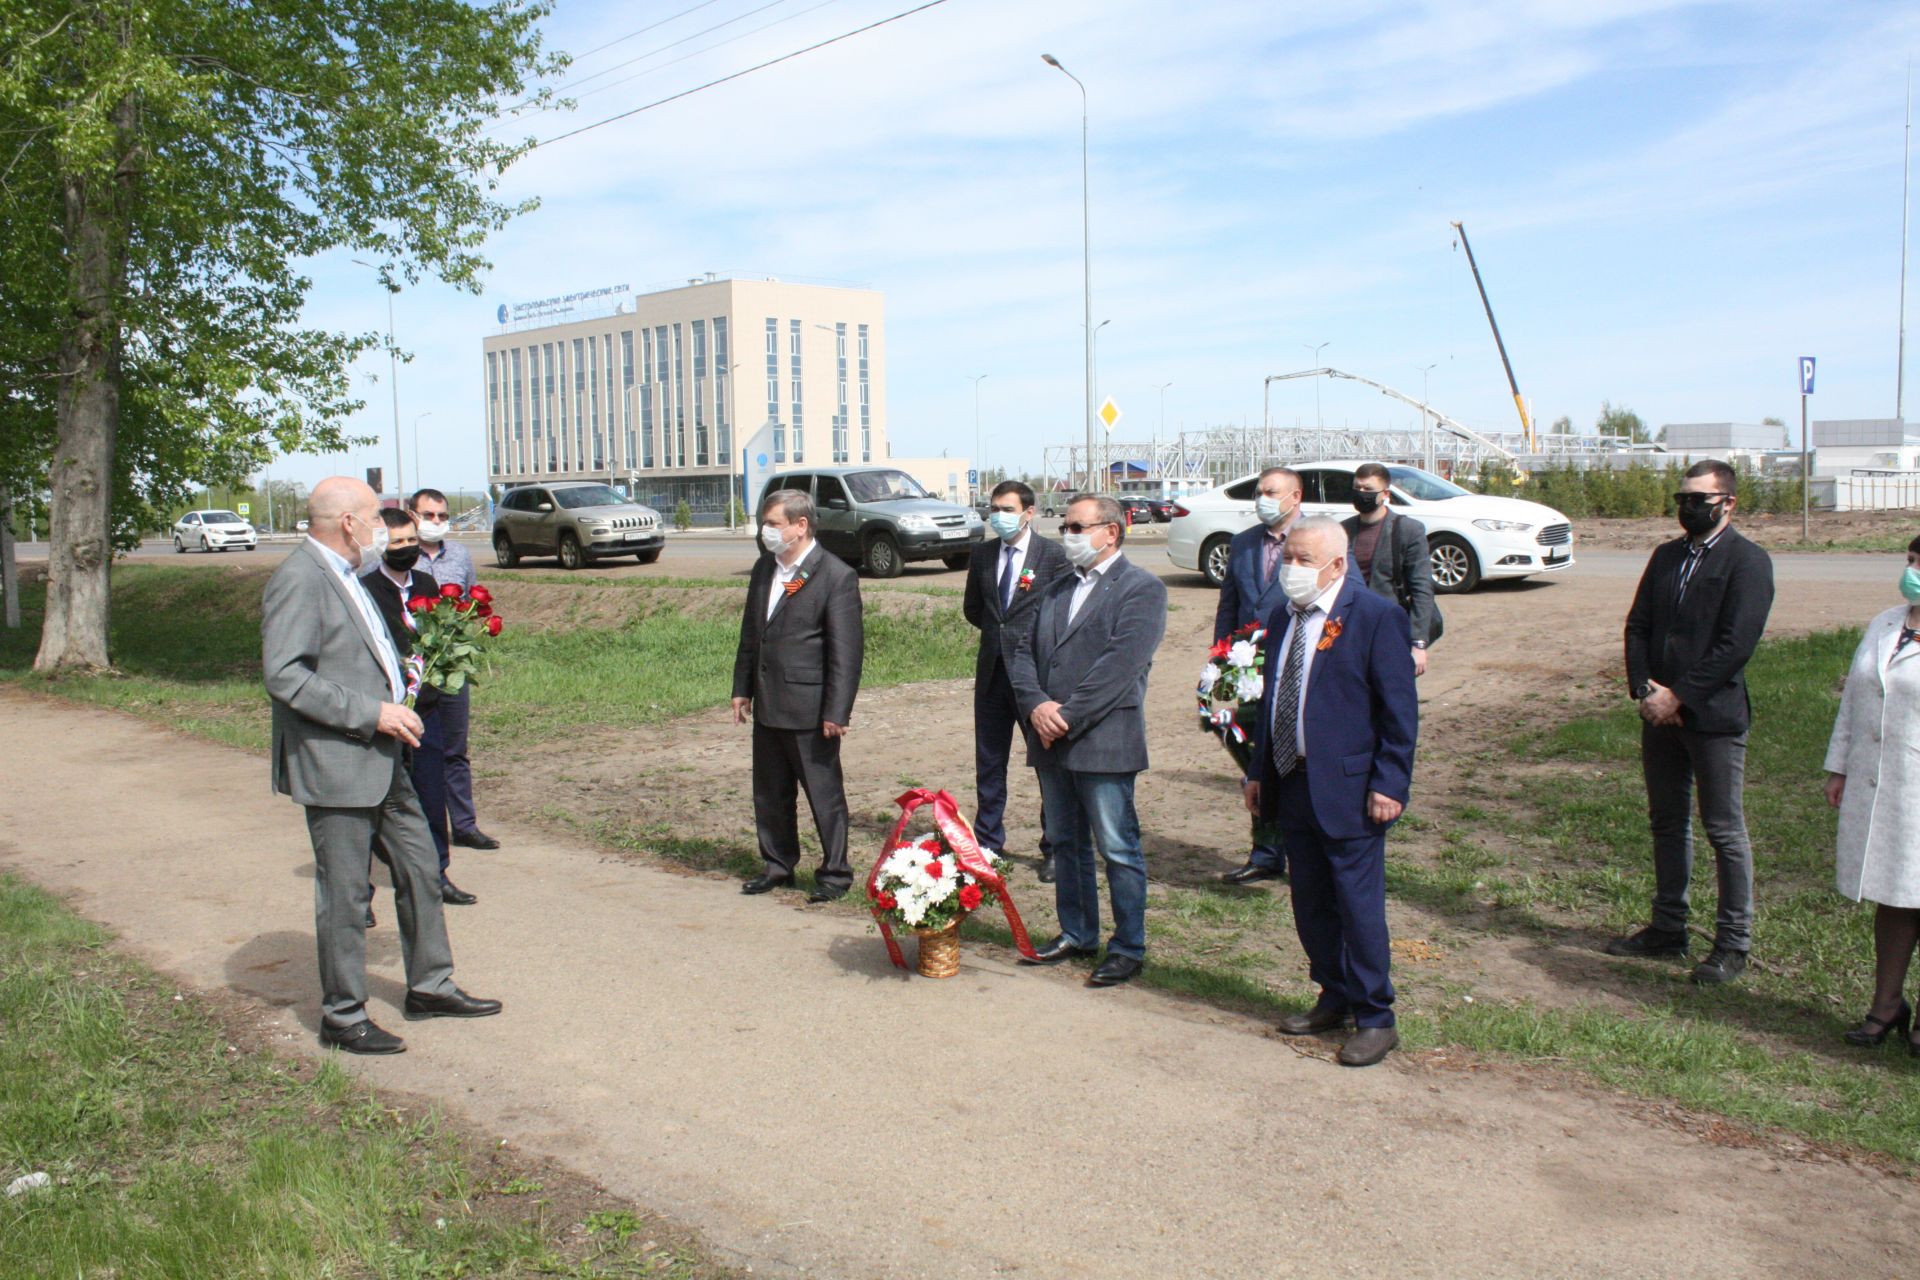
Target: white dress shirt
x,y
783,574
370,615
1089,578
1315,623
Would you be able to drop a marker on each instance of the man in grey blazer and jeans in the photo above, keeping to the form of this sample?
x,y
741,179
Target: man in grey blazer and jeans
x,y
1079,672
339,723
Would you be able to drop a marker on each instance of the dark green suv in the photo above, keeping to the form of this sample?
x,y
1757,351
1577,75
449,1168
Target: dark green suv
x,y
878,518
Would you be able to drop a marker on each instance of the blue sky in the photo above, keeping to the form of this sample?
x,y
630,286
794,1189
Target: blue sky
x,y
1670,202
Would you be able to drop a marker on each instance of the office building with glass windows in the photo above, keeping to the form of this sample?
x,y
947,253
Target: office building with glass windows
x,y
659,395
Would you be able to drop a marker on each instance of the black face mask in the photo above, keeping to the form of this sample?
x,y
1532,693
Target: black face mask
x,y
1699,517
402,559
1366,502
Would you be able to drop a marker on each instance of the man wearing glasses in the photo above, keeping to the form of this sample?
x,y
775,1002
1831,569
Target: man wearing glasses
x,y
1079,673
1696,619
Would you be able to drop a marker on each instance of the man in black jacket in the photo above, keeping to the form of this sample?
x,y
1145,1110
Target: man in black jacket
x,y
796,675
1008,575
1390,555
1696,619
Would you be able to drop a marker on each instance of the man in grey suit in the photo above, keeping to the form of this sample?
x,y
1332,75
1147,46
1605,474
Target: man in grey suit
x,y
339,723
1079,671
796,674
1388,551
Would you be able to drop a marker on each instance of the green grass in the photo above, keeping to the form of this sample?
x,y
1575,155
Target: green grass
x,y
175,1155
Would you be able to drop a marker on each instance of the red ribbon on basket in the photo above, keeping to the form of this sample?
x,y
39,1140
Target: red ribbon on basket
x,y
959,838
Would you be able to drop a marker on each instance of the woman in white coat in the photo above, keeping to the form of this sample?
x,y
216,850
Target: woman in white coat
x,y
1873,778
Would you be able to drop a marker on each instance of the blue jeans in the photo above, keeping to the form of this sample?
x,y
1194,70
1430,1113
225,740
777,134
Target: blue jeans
x,y
1090,815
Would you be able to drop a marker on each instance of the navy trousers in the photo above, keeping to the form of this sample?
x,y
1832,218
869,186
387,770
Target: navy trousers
x,y
996,721
456,715
1339,908
428,766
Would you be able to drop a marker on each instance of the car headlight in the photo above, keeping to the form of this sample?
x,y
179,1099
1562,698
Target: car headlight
x,y
1502,526
917,522
973,520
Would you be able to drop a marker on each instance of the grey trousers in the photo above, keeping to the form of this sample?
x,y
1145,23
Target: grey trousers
x,y
1676,762
343,839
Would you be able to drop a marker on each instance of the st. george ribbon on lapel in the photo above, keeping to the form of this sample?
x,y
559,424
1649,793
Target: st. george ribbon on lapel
x,y
959,837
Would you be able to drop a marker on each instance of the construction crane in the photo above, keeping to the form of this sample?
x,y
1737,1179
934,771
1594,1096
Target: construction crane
x,y
1526,423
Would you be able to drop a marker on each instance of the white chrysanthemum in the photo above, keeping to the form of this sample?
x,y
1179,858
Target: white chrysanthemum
x,y
1243,654
1251,683
913,910
1209,676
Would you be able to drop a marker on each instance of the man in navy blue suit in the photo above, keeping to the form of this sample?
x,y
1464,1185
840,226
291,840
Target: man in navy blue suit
x,y
1333,766
1250,592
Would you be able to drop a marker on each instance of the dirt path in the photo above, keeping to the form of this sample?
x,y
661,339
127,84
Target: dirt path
x,y
760,1073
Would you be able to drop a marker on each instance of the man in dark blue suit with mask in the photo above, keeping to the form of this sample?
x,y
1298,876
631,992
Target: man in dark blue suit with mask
x,y
1333,766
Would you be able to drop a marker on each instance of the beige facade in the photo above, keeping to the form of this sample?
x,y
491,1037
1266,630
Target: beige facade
x,y
660,396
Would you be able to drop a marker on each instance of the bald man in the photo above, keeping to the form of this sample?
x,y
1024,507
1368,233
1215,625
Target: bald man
x,y
339,725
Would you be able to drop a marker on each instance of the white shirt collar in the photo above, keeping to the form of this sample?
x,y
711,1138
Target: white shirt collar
x,y
1324,601
788,570
1086,575
1020,543
339,562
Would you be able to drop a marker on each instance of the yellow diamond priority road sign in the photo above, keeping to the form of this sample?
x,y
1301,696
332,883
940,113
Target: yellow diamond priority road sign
x,y
1109,413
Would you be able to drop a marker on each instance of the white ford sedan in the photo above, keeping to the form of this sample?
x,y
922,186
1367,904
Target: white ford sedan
x,y
213,531
1472,537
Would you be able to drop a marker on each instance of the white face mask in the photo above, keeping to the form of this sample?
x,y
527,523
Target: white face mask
x,y
371,552
1301,582
773,539
1080,549
1267,509
434,530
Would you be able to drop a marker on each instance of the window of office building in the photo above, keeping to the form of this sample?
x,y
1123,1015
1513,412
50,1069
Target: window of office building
x,y
679,400
661,398
534,398
556,426
517,406
593,402
579,400
603,428
793,373
563,414
722,436
866,403
700,455
493,409
646,398
626,398
773,390
840,414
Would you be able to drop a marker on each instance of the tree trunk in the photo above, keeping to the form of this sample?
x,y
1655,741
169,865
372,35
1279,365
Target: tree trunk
x,y
80,547
9,572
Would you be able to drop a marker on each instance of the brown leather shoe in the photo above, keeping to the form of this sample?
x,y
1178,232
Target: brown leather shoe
x,y
1368,1045
1313,1021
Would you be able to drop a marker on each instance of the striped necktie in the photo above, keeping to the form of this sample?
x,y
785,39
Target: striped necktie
x,y
1286,705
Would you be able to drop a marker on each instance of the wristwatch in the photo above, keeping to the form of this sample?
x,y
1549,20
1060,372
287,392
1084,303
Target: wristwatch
x,y
1419,644
1641,690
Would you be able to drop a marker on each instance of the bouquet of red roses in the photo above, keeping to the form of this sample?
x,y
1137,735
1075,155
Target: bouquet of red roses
x,y
452,633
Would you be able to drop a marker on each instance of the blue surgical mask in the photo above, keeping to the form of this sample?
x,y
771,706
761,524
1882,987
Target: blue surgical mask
x,y
1910,585
1268,510
1006,525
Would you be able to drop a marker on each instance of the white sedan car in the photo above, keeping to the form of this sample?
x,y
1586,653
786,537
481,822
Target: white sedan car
x,y
1472,537
213,531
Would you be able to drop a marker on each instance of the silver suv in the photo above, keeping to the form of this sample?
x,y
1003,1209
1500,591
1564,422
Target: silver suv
x,y
579,521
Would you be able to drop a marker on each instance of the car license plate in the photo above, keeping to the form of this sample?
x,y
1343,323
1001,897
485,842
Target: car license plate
x,y
953,533
633,537
1557,554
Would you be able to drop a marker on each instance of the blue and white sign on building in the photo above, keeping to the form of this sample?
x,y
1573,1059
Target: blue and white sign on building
x,y
756,463
973,478
1806,375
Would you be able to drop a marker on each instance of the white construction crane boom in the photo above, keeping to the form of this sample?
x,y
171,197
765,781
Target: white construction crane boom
x,y
1459,429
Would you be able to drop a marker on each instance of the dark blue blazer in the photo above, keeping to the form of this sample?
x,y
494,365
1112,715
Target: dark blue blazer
x,y
1362,714
1242,598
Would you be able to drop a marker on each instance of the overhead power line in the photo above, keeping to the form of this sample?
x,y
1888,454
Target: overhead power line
x,y
673,44
762,66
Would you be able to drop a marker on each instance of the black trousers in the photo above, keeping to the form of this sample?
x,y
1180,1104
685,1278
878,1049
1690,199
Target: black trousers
x,y
996,722
786,762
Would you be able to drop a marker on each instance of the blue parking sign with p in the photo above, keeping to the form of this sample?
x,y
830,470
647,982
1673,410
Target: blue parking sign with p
x,y
1806,375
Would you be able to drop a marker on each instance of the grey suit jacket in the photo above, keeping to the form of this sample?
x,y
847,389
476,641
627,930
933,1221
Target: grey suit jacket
x,y
1094,666
802,665
1403,571
324,675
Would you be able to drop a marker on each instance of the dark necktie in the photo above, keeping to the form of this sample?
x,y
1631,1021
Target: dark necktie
x,y
1696,552
1006,580
1907,636
1286,705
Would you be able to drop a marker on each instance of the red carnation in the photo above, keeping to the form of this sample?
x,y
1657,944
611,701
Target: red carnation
x,y
970,896
481,594
421,604
1220,649
493,626
887,901
451,591
935,870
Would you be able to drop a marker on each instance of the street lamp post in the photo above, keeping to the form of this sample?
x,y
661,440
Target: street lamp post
x,y
1158,432
979,467
417,473
1106,458
393,378
1086,252
1317,423
1426,418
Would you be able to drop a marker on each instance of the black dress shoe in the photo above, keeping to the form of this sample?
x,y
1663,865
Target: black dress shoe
x,y
828,895
1046,869
458,1004
1115,970
369,917
454,896
1650,942
766,881
1056,951
1723,964
475,839
1253,872
362,1037
1368,1046
1315,1020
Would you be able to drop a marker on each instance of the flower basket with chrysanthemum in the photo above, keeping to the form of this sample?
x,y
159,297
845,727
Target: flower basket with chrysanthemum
x,y
921,886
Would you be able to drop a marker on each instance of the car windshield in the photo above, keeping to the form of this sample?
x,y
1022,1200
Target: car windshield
x,y
1424,486
883,486
221,517
589,495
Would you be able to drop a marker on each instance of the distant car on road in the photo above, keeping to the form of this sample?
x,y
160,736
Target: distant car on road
x,y
579,521
299,526
1162,509
1470,536
213,530
1139,510
878,518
